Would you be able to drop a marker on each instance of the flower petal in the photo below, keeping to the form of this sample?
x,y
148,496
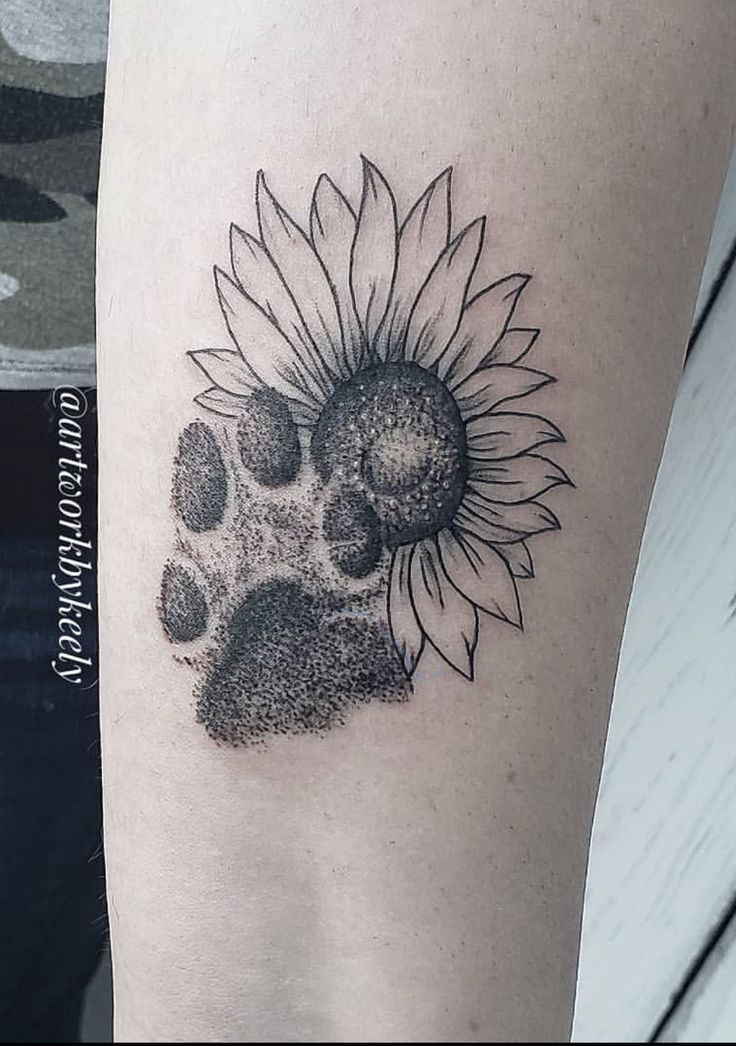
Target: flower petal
x,y
332,228
373,255
476,519
405,631
508,522
438,309
261,281
304,275
490,386
226,369
519,559
506,435
481,575
220,402
263,345
517,479
447,618
424,235
483,323
514,345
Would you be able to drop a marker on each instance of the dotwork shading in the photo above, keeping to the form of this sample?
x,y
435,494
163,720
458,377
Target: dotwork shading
x,y
365,478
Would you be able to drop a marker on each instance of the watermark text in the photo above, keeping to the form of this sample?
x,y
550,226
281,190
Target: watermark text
x,y
74,576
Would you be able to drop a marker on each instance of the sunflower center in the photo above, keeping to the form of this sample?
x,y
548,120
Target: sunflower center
x,y
397,461
393,434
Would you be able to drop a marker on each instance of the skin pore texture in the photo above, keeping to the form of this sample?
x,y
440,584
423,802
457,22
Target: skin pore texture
x,y
358,629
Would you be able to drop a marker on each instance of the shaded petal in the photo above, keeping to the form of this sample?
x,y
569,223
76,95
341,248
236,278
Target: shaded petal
x,y
483,324
405,631
226,369
424,235
261,281
506,435
514,345
447,618
220,402
517,479
332,228
519,559
476,519
508,522
304,275
263,345
480,574
438,309
490,386
373,256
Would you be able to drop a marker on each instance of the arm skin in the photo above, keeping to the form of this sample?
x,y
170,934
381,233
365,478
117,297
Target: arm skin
x,y
417,873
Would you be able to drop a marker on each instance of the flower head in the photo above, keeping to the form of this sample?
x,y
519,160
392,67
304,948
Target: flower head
x,y
407,384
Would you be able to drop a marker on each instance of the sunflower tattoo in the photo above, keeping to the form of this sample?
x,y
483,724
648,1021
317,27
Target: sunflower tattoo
x,y
362,484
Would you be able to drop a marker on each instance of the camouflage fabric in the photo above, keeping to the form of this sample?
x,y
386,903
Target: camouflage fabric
x,y
51,92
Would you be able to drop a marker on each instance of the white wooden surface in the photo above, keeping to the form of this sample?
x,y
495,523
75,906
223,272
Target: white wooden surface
x,y
723,238
663,858
708,1012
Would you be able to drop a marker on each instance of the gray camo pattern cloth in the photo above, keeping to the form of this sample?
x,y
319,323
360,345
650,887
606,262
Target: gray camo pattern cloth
x,y
52,73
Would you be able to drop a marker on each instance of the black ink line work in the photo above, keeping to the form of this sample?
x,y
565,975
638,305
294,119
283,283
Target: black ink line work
x,y
367,479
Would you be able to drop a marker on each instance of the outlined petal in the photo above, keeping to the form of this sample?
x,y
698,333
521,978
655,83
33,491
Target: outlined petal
x,y
517,479
483,323
423,237
516,521
406,634
514,345
439,307
447,618
226,369
519,559
500,435
488,387
220,402
263,345
480,574
374,252
303,273
476,519
261,281
332,228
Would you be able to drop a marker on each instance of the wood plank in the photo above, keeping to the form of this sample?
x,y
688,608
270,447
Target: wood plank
x,y
707,1013
663,859
722,240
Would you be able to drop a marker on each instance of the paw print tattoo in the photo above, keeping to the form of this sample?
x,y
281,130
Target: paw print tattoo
x,y
363,481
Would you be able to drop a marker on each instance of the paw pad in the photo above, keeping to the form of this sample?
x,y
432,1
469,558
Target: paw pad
x,y
183,608
353,534
199,488
295,661
268,440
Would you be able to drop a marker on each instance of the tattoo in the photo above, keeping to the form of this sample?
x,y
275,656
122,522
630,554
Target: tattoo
x,y
362,483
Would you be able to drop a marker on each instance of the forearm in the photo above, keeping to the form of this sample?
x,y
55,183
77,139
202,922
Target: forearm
x,y
408,867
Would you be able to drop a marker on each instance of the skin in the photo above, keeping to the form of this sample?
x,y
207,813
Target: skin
x,y
417,874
